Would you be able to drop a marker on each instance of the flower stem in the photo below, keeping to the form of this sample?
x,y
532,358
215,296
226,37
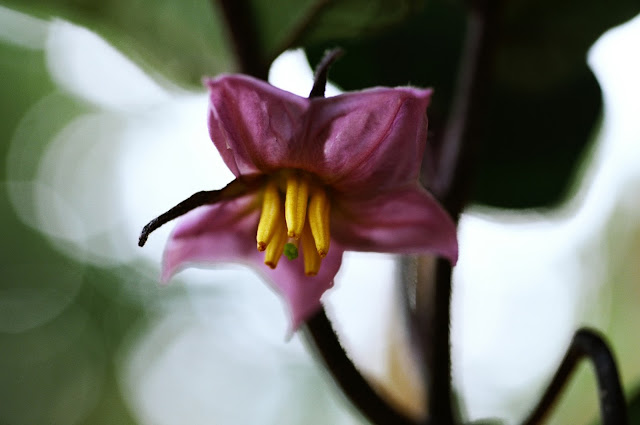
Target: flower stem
x,y
345,374
322,72
451,183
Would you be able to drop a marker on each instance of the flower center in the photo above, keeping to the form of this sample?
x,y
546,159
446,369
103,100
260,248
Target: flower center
x,y
302,219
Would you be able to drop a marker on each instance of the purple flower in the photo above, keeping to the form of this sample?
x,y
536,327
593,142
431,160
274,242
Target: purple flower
x,y
314,177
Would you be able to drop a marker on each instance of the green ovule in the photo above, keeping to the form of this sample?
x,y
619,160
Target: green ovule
x,y
290,251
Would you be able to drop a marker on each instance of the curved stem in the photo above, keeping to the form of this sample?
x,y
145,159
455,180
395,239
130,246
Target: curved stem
x,y
233,190
587,343
345,374
322,72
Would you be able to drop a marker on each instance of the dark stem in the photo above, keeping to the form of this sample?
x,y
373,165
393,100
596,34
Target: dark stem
x,y
451,184
345,374
242,28
587,343
206,197
322,71
455,171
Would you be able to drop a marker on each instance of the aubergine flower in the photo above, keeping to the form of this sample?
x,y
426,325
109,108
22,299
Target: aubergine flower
x,y
314,177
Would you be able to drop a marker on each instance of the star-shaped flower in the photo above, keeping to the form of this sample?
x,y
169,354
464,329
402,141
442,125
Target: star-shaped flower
x,y
314,177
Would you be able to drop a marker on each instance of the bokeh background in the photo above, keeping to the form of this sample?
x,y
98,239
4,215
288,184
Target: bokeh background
x,y
96,140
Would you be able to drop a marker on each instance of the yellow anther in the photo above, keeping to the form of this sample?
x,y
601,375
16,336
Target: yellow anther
x,y
312,260
319,220
295,204
275,248
271,213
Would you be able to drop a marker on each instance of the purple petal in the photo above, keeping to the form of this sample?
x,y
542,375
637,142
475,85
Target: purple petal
x,y
361,142
253,124
226,232
408,221
369,141
303,292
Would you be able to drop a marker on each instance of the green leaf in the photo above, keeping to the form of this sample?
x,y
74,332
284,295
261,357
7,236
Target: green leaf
x,y
544,101
544,43
634,407
283,24
183,40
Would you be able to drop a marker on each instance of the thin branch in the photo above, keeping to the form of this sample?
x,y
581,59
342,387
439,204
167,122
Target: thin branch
x,y
345,374
587,343
241,24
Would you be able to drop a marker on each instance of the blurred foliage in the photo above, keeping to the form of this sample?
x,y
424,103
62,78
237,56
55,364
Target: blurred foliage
x,y
634,407
181,40
544,100
312,21
59,325
186,40
61,328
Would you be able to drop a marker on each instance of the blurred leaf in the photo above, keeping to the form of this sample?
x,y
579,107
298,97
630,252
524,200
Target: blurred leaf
x,y
634,407
544,43
59,333
183,40
312,21
25,80
544,101
186,39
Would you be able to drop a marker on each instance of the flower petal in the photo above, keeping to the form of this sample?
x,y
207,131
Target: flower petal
x,y
303,292
223,232
253,124
406,221
226,232
360,142
369,141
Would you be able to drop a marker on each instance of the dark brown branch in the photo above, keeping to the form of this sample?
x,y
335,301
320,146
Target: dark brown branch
x,y
233,190
241,25
345,374
587,343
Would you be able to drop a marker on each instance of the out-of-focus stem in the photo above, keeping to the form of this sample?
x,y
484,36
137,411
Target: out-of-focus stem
x,y
451,183
591,345
241,26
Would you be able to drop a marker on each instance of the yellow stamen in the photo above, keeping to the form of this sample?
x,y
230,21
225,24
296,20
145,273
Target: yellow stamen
x,y
312,260
275,248
319,220
271,213
295,204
